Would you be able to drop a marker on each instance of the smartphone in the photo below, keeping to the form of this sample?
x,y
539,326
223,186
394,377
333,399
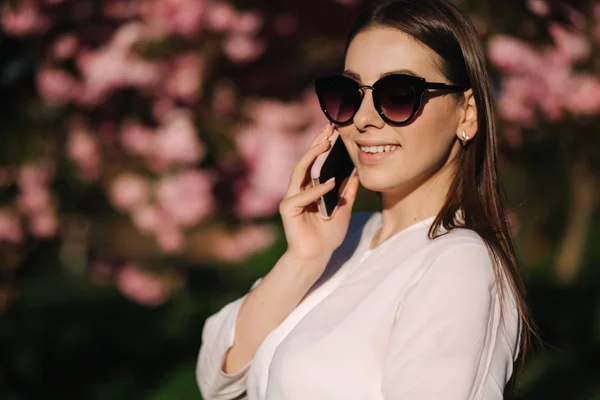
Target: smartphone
x,y
335,162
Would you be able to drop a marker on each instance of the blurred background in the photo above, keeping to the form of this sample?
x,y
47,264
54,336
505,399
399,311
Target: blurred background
x,y
146,144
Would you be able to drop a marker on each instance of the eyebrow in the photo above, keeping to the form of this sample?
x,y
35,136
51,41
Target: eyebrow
x,y
356,77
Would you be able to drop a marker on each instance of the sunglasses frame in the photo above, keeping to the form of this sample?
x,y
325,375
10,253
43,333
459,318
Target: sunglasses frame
x,y
418,84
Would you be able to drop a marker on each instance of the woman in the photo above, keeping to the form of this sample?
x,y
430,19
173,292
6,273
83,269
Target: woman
x,y
422,300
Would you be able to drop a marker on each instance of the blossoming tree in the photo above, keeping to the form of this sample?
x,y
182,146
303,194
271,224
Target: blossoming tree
x,y
162,108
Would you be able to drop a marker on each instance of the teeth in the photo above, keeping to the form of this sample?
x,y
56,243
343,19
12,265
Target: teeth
x,y
378,149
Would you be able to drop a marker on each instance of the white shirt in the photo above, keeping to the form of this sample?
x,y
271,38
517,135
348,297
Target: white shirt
x,y
413,318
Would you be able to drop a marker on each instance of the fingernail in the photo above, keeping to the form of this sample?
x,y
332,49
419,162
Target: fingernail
x,y
330,180
323,139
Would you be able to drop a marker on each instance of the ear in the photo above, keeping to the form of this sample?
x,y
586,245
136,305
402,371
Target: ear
x,y
468,116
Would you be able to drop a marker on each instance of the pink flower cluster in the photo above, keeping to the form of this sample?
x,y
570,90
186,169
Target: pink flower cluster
x,y
271,147
141,286
173,143
167,207
34,205
546,81
35,201
83,148
25,19
244,242
240,30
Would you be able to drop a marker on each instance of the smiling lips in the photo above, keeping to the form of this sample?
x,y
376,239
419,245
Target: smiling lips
x,y
378,149
371,153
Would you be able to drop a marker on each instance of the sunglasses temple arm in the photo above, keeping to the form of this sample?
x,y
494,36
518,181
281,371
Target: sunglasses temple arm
x,y
443,86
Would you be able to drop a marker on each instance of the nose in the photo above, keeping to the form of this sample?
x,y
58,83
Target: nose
x,y
367,115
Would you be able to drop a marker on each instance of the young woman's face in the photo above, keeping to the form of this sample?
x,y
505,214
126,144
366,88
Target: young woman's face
x,y
423,146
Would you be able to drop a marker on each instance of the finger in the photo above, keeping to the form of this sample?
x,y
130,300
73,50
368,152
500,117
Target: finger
x,y
296,204
325,132
300,171
347,200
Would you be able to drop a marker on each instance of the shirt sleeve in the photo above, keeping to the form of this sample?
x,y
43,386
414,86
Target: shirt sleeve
x,y
217,338
443,341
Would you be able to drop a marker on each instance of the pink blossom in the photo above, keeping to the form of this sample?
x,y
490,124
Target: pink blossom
x,y
103,70
573,45
187,197
540,8
114,65
55,84
248,23
120,9
243,243
162,108
271,148
141,286
146,217
220,16
278,115
182,17
84,150
584,96
152,219
176,141
136,138
313,110
184,79
34,200
517,100
169,237
129,34
24,19
10,228
65,47
271,154
36,174
243,49
512,55
34,191
129,190
44,224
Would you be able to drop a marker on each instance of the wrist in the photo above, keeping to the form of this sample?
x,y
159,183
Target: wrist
x,y
309,267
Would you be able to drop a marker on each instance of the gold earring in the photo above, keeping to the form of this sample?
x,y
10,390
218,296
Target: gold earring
x,y
465,138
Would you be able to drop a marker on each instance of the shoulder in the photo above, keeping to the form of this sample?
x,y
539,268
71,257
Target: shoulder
x,y
462,258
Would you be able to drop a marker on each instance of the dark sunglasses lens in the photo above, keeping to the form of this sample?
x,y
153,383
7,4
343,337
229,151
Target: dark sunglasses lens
x,y
397,97
340,96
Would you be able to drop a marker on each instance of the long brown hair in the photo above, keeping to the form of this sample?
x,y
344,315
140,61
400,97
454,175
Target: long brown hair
x,y
475,190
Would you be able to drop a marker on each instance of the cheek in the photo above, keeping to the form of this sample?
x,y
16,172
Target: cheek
x,y
433,132
427,143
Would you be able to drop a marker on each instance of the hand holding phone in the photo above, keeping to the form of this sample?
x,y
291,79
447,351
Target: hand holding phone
x,y
334,163
309,236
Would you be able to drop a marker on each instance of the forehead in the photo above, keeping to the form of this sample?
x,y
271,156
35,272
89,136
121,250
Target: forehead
x,y
379,50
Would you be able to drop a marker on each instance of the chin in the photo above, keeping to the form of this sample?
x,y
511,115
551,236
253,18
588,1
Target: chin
x,y
386,181
378,182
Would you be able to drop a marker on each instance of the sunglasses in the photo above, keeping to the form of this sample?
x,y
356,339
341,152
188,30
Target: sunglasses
x,y
397,97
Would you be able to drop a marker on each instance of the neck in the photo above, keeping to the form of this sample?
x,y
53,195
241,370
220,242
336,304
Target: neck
x,y
415,202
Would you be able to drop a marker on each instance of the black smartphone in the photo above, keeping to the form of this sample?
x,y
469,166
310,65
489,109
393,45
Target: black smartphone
x,y
335,162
